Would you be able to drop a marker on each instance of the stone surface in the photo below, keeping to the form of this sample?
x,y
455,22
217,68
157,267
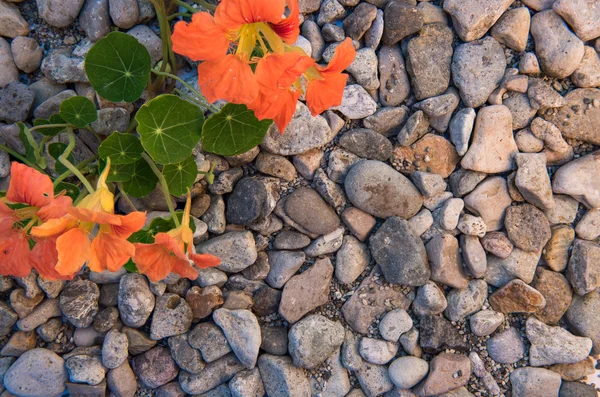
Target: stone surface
x,y
406,372
394,85
400,253
477,69
445,261
35,370
490,199
557,292
155,367
136,302
430,300
79,303
527,227
512,28
447,372
506,347
85,369
431,153
351,260
394,324
377,351
493,144
400,20
587,73
313,339
533,181
281,378
242,332
9,73
114,349
517,297
321,219
367,144
579,180
472,18
555,345
237,250
534,382
485,322
464,302
583,271
582,16
575,123
356,103
438,334
557,48
209,339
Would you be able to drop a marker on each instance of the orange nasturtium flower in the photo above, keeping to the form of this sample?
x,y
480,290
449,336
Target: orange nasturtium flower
x,y
168,252
75,244
255,32
35,194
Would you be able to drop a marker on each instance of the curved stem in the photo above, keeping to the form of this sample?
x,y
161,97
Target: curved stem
x,y
179,14
206,4
163,186
79,166
20,157
132,126
125,196
189,87
41,127
185,5
63,158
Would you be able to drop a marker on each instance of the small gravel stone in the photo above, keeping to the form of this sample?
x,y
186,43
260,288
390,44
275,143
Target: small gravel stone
x,y
85,369
114,349
79,302
35,370
527,227
430,300
490,199
237,250
554,345
473,18
281,378
447,372
313,339
506,347
242,332
534,382
136,302
377,351
464,302
517,297
406,372
172,316
485,322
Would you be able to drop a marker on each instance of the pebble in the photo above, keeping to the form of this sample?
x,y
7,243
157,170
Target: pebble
x,y
237,250
506,347
247,384
450,213
587,75
326,244
330,11
400,253
576,389
351,260
447,372
58,13
303,133
357,23
274,340
400,20
493,143
9,72
136,301
529,64
106,319
394,85
203,301
406,372
582,16
461,127
519,264
517,297
111,120
281,378
35,370
79,302
472,18
527,227
275,165
438,334
430,300
477,69
577,179
375,33
114,349
588,227
172,316
146,36
575,123
472,225
313,339
377,351
534,382
61,66
464,181
415,128
356,103
583,271
331,192
121,381
496,243
19,343
394,324
340,161
124,13
555,345
374,379
533,181
489,200
155,367
559,51
428,58
16,100
367,144
85,369
320,220
210,341
284,264
464,302
26,53
242,331
485,322
379,190
95,19
429,184
225,181
445,261
557,292
512,29
247,202
556,253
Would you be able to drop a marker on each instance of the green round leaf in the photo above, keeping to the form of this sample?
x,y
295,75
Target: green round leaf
x,y
78,111
169,128
234,130
181,176
70,189
121,148
118,67
54,119
142,180
55,150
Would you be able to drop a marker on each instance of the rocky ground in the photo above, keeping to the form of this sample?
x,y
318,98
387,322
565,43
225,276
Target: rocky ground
x,y
435,235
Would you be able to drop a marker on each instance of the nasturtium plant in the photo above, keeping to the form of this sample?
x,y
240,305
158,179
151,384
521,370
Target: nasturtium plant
x,y
169,128
55,150
180,176
121,148
78,111
69,189
234,130
118,67
142,180
55,119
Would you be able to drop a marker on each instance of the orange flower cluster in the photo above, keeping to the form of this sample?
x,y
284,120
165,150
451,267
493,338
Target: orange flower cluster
x,y
66,237
249,58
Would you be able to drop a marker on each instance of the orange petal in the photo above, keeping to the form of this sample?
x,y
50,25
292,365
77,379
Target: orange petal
x,y
14,254
228,78
289,28
342,58
73,251
109,252
232,14
280,108
200,40
184,269
87,215
279,71
29,186
205,260
325,93
172,244
44,258
130,224
53,227
56,209
7,218
154,260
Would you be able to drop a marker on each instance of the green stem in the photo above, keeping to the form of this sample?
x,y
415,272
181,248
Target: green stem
x,y
205,4
185,5
40,127
189,87
190,98
179,14
163,185
19,157
64,160
79,166
125,196
132,125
